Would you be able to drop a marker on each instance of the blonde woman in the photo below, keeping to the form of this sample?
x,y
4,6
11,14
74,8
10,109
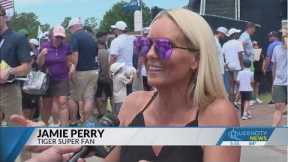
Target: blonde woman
x,y
182,64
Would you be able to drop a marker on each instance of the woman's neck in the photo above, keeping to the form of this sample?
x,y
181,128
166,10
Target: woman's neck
x,y
173,99
172,106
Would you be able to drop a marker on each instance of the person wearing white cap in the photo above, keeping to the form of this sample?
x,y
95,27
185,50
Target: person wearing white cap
x,y
220,34
54,56
121,49
233,55
85,78
34,44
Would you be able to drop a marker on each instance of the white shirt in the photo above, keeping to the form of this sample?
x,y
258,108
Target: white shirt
x,y
120,80
119,87
279,57
220,55
248,46
122,47
231,51
245,77
143,71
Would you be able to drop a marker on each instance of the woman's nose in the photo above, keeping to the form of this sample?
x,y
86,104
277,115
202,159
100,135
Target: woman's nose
x,y
152,53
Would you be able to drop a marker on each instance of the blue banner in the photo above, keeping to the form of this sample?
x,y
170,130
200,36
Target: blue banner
x,y
132,6
246,134
12,141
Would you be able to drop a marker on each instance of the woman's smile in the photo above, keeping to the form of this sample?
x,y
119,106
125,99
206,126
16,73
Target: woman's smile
x,y
154,68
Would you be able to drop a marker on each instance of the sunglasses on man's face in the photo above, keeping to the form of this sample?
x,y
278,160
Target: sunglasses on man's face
x,y
163,47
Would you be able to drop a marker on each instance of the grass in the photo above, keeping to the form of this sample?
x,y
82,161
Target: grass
x,y
266,97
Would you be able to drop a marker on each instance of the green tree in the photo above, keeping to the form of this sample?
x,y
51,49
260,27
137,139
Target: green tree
x,y
28,21
116,13
65,22
45,27
91,22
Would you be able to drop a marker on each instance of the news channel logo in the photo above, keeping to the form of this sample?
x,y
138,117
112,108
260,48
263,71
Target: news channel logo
x,y
247,134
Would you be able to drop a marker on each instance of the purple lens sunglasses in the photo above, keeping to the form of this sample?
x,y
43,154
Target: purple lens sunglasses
x,y
162,46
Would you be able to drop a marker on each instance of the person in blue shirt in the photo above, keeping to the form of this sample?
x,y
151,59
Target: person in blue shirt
x,y
274,40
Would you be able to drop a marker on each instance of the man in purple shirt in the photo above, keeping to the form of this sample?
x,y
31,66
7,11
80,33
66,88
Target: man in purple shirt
x,y
54,58
274,40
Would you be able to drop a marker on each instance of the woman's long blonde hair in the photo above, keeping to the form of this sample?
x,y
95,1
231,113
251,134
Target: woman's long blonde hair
x,y
207,85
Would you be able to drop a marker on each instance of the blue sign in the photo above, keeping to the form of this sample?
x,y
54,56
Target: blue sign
x,y
246,134
12,141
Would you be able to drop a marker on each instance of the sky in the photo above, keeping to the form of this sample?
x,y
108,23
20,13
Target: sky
x,y
53,12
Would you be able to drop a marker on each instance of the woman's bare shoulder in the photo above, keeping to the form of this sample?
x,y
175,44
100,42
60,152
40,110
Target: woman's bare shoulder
x,y
132,105
219,113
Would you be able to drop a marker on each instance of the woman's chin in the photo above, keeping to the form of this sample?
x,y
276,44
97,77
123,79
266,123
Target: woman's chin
x,y
156,82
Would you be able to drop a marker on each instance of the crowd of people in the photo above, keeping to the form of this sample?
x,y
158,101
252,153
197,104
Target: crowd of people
x,y
244,65
184,70
83,73
87,73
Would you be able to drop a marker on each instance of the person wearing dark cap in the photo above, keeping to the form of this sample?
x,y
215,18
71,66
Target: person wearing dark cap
x,y
14,61
274,40
121,49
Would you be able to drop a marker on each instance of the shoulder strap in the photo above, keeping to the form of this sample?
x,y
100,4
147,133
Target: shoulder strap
x,y
149,102
194,122
138,119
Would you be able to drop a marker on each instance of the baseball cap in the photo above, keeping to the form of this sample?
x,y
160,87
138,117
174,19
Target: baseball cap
x,y
233,31
121,25
75,21
222,29
34,41
59,31
146,30
273,34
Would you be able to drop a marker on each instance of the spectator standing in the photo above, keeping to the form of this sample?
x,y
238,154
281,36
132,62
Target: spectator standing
x,y
104,87
15,61
245,37
121,76
258,73
54,57
274,40
121,49
220,35
84,50
233,56
280,78
245,80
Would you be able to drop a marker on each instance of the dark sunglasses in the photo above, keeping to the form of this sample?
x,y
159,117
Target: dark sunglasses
x,y
162,46
59,37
